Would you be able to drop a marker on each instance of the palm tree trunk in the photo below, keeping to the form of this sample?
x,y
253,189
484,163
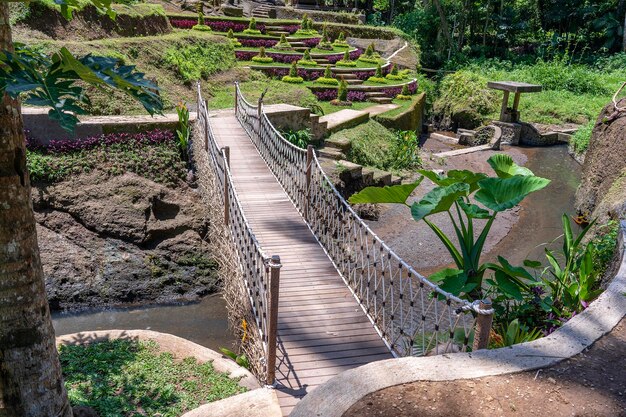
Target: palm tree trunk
x,y
30,374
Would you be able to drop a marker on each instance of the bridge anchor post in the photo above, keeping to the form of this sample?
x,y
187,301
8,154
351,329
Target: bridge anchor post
x,y
482,328
272,327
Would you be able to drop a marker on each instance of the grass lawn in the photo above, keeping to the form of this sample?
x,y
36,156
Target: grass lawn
x,y
132,378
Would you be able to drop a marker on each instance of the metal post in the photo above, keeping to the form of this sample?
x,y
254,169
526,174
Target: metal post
x,y
272,327
482,329
226,187
307,190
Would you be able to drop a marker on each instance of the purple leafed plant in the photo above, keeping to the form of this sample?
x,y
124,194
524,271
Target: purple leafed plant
x,y
152,137
225,26
290,28
183,23
326,94
245,55
364,75
285,58
356,96
311,43
257,43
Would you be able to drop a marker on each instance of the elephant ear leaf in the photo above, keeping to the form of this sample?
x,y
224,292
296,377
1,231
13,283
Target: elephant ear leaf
x,y
500,194
468,177
437,200
504,166
473,211
388,194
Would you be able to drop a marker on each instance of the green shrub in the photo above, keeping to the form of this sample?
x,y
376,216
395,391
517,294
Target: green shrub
x,y
306,60
252,30
293,75
465,91
196,61
343,63
379,72
200,18
369,60
605,243
405,94
202,28
394,70
340,42
377,80
261,57
369,51
394,74
300,138
283,44
327,81
234,41
580,140
325,41
342,92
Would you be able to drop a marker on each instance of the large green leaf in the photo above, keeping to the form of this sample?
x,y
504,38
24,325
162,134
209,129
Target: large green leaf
x,y
508,286
68,7
437,200
499,194
504,166
455,176
387,194
474,211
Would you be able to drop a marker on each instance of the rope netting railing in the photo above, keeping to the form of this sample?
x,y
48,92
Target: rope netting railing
x,y
412,315
259,271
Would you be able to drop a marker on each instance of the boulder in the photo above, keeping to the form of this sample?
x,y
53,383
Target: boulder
x,y
121,240
602,189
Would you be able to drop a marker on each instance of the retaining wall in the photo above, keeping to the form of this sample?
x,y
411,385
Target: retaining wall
x,y
410,119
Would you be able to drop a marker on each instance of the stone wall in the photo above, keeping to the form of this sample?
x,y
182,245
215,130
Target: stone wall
x,y
410,119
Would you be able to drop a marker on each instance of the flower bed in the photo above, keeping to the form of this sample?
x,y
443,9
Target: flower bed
x,y
216,25
152,137
283,58
394,91
183,23
257,43
329,94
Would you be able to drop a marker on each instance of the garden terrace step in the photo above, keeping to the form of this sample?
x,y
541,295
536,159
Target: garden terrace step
x,y
350,168
321,61
380,100
300,48
395,180
382,177
349,76
276,32
342,144
367,176
295,43
331,153
262,15
372,94
354,82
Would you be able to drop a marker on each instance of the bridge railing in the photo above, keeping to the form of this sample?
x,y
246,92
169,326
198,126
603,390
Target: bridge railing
x,y
260,271
412,315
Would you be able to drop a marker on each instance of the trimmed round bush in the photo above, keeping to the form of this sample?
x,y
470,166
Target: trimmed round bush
x,y
343,63
394,77
378,80
201,28
327,81
293,80
262,58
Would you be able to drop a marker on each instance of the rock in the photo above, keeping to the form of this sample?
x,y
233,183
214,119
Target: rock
x,y
605,164
121,240
232,11
84,411
466,119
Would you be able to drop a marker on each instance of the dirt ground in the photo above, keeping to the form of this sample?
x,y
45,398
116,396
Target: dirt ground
x,y
592,383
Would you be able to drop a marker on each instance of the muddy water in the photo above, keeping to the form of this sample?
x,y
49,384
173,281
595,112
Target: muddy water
x,y
540,218
205,322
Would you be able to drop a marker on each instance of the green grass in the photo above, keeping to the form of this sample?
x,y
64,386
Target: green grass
x,y
580,140
150,55
277,92
356,105
132,378
161,163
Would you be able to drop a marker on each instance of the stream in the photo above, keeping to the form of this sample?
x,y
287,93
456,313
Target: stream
x,y
206,322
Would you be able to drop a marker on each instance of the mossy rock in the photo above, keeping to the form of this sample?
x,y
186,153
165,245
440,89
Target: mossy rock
x,y
232,11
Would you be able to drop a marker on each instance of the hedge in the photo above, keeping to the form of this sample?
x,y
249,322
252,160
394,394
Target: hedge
x,y
318,15
245,20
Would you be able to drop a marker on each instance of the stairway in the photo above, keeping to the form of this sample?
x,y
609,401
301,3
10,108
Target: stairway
x,y
298,46
350,78
377,97
263,12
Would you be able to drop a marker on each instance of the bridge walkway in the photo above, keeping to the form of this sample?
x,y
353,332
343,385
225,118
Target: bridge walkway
x,y
322,330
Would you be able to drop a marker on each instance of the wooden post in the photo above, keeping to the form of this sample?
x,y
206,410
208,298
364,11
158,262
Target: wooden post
x,y
272,327
226,187
236,99
483,327
505,103
309,166
259,115
205,116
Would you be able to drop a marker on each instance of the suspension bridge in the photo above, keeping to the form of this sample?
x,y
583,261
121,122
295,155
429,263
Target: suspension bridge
x,y
326,293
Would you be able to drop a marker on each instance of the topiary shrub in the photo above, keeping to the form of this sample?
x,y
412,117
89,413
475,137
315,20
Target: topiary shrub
x,y
370,55
261,57
342,95
293,75
346,62
283,44
252,30
325,41
378,77
327,78
393,74
405,94
340,42
306,60
201,28
230,35
306,26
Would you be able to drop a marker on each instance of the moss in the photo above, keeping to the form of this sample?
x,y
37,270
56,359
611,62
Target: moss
x,y
371,144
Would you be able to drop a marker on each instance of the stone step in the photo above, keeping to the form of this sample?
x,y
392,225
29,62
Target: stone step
x,y
276,32
368,176
265,15
371,94
354,82
331,153
350,77
342,144
380,100
395,180
347,168
321,61
296,43
381,177
271,27
300,48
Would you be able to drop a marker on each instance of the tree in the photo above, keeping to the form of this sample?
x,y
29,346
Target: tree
x,y
31,384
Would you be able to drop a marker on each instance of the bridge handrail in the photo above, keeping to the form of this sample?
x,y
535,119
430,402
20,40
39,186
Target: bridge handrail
x,y
369,267
257,267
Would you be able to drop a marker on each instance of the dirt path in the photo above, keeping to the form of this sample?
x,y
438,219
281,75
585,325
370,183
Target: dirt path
x,y
590,384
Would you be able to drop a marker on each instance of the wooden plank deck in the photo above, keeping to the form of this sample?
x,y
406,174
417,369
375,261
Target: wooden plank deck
x,y
322,331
